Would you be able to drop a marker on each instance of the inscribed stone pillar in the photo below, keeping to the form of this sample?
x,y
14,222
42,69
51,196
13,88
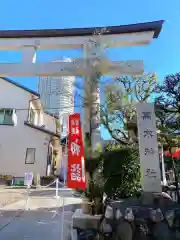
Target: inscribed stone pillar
x,y
148,147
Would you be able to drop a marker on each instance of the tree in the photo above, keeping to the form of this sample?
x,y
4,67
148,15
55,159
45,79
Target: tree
x,y
118,114
87,91
167,105
168,116
169,92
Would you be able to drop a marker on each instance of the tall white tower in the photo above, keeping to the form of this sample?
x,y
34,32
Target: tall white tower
x,y
57,95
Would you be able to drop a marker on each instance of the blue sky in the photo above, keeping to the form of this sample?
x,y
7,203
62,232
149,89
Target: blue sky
x,y
162,56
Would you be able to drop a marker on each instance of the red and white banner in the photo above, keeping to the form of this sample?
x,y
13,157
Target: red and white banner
x,y
76,164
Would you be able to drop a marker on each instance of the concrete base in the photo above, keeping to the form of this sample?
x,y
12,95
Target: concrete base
x,y
147,198
84,221
154,215
74,235
156,199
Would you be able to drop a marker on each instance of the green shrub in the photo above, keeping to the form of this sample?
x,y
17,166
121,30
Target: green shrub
x,y
92,164
115,171
121,169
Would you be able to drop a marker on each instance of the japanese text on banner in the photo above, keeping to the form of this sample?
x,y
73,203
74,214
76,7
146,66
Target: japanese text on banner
x,y
76,166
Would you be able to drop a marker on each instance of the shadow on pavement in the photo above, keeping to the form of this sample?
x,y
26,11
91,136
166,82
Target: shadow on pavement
x,y
52,193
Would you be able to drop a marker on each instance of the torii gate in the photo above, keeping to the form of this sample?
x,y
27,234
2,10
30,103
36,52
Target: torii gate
x,y
30,41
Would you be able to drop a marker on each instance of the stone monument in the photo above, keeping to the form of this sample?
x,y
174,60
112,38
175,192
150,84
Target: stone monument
x,y
148,148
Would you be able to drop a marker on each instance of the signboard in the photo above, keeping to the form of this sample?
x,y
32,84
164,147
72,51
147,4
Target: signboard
x,y
148,147
76,165
28,179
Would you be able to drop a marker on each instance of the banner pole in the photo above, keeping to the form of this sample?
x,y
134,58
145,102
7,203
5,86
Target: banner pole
x,y
66,154
163,167
65,176
62,224
57,188
27,199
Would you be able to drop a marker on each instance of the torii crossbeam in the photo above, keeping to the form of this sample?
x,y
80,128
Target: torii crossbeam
x,y
30,41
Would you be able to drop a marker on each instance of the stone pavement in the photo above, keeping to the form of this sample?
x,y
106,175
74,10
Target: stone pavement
x,y
35,203
8,196
43,220
35,225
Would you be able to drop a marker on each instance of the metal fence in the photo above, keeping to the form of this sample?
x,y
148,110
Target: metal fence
x,y
171,190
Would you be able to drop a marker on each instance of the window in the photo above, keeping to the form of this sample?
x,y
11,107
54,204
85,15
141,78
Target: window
x,y
6,117
31,118
30,156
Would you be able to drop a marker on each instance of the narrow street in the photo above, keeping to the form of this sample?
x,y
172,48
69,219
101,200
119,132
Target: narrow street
x,y
44,218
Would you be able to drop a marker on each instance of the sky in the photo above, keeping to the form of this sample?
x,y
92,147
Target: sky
x,y
161,56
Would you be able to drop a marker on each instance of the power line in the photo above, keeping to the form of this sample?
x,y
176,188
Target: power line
x,y
39,109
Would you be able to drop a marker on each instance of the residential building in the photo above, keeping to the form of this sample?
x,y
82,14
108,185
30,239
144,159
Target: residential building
x,y
28,135
57,95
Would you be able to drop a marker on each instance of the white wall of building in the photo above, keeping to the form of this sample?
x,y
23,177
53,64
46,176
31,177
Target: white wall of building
x,y
49,122
14,140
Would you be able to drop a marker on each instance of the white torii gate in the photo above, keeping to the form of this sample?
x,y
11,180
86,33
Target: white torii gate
x,y
30,41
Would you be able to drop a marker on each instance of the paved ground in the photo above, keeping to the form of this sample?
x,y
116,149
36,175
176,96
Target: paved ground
x,y
9,197
43,220
50,192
